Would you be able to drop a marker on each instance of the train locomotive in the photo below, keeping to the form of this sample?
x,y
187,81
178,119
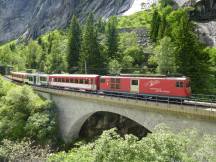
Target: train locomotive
x,y
163,86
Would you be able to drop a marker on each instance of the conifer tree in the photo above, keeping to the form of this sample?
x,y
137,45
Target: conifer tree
x,y
112,38
91,58
101,25
155,24
74,45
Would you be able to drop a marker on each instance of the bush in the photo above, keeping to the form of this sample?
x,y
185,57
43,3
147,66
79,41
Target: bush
x,y
162,145
25,114
23,150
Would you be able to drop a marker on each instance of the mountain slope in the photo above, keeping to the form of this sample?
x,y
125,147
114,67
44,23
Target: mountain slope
x,y
31,18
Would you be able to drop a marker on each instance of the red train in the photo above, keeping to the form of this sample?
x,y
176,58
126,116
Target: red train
x,y
159,86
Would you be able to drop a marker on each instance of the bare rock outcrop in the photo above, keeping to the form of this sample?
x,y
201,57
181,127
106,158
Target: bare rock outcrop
x,y
31,18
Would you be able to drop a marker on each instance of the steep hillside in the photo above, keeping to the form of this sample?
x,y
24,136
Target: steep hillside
x,y
31,18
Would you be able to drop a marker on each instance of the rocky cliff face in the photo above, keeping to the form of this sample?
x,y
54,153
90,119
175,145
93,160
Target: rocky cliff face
x,y
205,15
31,18
205,10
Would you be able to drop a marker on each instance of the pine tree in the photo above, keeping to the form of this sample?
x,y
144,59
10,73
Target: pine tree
x,y
112,38
74,45
90,53
155,25
164,26
101,24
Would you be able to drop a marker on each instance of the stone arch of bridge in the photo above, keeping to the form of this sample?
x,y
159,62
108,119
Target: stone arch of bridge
x,y
77,124
103,120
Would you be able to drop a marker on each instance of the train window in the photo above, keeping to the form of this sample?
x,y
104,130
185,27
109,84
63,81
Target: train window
x,y
92,81
86,81
59,79
102,80
76,80
30,78
67,80
179,84
134,82
113,80
71,80
81,81
113,86
43,79
117,86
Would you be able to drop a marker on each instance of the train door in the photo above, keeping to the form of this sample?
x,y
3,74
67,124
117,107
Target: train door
x,y
92,84
134,86
34,80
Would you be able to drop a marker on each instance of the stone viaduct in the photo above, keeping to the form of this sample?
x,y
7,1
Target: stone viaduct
x,y
74,108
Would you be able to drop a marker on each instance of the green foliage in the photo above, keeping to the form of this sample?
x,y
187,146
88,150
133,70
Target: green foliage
x,y
164,25
162,145
101,25
155,24
137,20
4,88
164,3
114,67
24,114
33,54
112,38
90,53
127,64
23,150
74,46
190,58
165,55
183,51
212,54
132,54
11,54
57,50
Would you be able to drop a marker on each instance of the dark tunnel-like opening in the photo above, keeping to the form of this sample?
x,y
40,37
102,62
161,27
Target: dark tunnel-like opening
x,y
100,121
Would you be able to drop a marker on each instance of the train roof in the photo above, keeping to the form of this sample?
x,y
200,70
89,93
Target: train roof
x,y
146,77
37,74
75,75
23,73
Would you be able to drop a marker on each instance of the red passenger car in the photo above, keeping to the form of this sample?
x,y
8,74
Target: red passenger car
x,y
75,81
163,86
